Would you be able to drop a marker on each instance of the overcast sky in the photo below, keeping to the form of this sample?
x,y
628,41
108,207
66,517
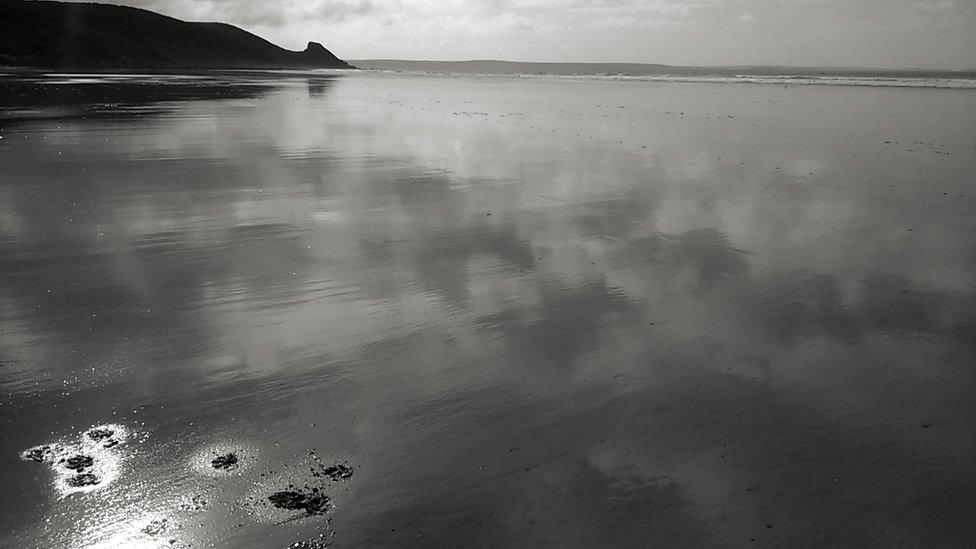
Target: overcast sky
x,y
879,33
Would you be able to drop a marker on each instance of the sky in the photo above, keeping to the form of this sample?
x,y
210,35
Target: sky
x,y
933,34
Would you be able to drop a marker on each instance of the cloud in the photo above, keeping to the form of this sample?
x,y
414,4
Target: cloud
x,y
694,32
747,17
341,11
935,5
531,14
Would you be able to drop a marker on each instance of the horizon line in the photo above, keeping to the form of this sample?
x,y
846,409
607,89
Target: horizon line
x,y
644,63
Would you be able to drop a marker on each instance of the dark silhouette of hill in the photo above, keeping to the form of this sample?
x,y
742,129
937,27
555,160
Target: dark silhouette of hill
x,y
100,36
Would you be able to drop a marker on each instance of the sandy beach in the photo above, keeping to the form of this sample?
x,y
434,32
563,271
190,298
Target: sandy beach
x,y
487,311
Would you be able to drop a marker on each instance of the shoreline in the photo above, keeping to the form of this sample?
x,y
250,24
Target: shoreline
x,y
967,83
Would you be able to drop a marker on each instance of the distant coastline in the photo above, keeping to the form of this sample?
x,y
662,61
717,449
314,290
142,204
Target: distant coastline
x,y
75,36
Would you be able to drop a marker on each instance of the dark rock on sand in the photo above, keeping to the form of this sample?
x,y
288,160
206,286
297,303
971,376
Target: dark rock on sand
x,y
226,461
312,503
40,454
337,472
79,462
196,503
311,544
100,434
84,479
156,527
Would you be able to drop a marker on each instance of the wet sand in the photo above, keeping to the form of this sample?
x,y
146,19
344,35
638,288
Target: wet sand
x,y
486,311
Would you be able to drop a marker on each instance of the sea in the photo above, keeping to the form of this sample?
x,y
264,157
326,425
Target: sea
x,y
665,73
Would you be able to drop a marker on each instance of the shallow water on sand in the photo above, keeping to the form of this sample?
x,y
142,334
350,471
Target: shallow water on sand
x,y
524,312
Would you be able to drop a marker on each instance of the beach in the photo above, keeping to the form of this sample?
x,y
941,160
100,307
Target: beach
x,y
532,312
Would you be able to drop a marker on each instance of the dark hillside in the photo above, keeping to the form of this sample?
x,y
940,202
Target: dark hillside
x,y
100,36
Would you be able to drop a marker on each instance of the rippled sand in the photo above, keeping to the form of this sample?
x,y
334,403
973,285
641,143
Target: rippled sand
x,y
522,312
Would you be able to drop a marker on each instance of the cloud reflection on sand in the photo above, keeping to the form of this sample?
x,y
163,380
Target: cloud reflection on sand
x,y
584,311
